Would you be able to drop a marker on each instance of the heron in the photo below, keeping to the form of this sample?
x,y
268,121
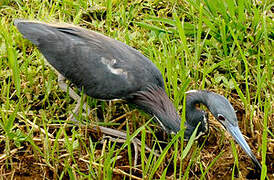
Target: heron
x,y
108,69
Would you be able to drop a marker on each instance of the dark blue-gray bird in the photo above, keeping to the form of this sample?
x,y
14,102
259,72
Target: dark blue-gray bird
x,y
109,69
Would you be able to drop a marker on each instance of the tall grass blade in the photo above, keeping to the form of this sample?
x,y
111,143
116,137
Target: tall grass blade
x,y
13,63
180,27
239,92
190,142
174,139
211,164
109,15
267,107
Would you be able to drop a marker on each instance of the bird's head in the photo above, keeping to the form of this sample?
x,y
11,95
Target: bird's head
x,y
155,101
223,111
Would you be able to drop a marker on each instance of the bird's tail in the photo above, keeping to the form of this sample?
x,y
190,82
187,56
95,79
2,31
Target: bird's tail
x,y
33,30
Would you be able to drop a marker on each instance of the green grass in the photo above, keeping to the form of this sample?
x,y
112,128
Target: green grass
x,y
223,46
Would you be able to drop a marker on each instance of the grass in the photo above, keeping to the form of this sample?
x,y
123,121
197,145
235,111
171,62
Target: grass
x,y
223,46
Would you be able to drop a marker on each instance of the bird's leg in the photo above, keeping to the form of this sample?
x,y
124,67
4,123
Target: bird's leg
x,y
108,131
122,137
76,109
62,84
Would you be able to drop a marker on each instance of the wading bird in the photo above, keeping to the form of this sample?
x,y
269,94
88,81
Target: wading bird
x,y
109,69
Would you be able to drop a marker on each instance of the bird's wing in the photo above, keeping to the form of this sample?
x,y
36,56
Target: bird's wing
x,y
105,67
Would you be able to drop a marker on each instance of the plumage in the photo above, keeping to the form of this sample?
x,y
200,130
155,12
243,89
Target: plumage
x,y
85,55
104,67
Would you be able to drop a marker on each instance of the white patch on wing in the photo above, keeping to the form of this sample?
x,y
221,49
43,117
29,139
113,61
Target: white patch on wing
x,y
110,63
191,91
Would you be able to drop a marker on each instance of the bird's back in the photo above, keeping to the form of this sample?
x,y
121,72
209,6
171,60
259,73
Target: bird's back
x,y
105,67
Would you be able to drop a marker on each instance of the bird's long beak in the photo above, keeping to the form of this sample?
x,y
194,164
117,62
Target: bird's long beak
x,y
238,136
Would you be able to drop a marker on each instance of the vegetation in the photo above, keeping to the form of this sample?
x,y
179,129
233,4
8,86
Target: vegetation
x,y
223,46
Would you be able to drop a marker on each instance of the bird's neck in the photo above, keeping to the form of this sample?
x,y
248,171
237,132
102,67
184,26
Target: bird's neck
x,y
196,97
155,101
193,98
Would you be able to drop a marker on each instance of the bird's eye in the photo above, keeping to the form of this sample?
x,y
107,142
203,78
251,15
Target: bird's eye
x,y
221,117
